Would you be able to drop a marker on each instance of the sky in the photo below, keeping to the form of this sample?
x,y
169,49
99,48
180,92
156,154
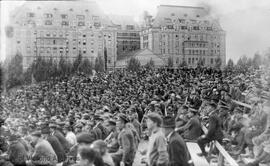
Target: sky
x,y
246,22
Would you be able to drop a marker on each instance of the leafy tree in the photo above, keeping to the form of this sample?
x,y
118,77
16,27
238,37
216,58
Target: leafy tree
x,y
150,64
170,62
230,65
133,64
257,61
200,63
99,64
15,71
77,62
86,66
218,63
183,64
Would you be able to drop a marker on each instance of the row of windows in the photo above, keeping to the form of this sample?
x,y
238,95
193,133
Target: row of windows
x,y
189,37
63,16
128,34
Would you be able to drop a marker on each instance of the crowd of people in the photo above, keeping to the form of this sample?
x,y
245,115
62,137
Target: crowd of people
x,y
101,120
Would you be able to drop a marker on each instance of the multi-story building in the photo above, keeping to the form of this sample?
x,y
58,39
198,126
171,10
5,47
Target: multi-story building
x,y
185,34
128,35
58,29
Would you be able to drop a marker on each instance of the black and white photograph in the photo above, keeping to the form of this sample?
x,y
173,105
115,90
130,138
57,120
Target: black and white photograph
x,y
134,83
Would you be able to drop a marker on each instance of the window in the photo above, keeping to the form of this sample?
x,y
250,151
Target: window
x,y
48,49
185,15
196,28
189,60
80,17
84,51
48,15
211,61
209,28
81,23
61,34
54,42
92,51
41,41
130,27
84,35
28,49
74,48
64,16
198,15
30,14
172,14
48,22
65,23
18,42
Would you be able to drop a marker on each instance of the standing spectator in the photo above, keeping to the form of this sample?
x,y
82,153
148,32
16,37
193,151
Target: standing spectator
x,y
59,136
56,145
157,154
177,149
44,154
16,152
86,156
126,152
101,147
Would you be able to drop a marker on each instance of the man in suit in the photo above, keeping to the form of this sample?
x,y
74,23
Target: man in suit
x,y
56,145
16,152
44,154
59,136
192,130
126,152
177,149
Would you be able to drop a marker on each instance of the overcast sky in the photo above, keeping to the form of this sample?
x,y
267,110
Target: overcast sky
x,y
246,22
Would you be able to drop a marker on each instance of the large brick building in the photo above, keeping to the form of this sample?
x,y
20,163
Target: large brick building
x,y
66,29
185,34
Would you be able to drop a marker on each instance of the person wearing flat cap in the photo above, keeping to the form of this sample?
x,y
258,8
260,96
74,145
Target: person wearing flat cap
x,y
17,153
156,153
43,154
192,130
55,132
177,149
127,148
55,143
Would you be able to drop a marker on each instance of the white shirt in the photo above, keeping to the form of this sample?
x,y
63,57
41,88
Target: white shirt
x,y
71,138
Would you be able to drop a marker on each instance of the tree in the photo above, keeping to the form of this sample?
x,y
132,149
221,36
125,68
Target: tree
x,y
99,64
133,65
170,62
218,63
200,63
230,65
77,62
15,71
86,66
150,64
257,60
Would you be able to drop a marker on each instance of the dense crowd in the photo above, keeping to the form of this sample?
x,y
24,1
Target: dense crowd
x,y
100,120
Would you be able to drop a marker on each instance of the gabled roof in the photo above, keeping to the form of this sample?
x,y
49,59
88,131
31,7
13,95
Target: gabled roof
x,y
167,13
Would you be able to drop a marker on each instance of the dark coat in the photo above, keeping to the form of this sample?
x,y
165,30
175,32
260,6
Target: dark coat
x,y
192,130
215,128
57,147
62,140
177,150
17,153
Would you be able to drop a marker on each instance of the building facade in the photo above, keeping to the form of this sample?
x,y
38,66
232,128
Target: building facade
x,y
185,34
58,29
